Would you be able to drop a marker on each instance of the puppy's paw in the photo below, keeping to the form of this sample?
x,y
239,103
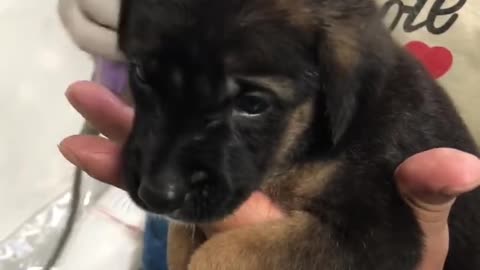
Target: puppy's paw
x,y
270,245
227,251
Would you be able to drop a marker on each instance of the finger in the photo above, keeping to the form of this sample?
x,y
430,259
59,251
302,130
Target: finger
x,y
430,182
96,156
88,35
104,12
434,178
105,111
258,208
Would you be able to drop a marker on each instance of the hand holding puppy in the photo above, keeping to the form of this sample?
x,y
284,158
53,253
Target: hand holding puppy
x,y
428,181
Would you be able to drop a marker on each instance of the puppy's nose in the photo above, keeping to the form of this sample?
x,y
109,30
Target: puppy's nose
x,y
165,198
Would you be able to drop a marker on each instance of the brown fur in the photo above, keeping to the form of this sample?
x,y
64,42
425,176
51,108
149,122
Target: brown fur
x,y
345,44
264,246
298,122
293,188
300,14
183,240
296,188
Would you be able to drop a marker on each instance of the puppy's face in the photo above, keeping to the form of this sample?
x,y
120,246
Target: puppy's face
x,y
224,91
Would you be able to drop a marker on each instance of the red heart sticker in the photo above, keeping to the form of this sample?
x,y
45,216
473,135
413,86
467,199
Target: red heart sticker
x,y
437,60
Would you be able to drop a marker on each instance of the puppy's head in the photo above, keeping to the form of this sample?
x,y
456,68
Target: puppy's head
x,y
227,90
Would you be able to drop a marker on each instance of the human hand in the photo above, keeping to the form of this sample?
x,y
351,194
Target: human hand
x,y
429,181
92,24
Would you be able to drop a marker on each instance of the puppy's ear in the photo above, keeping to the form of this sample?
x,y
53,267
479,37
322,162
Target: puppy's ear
x,y
144,24
340,105
353,65
340,85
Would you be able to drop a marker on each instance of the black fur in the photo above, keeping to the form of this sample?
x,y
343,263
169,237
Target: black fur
x,y
371,116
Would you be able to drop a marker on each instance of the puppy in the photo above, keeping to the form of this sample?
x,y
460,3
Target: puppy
x,y
310,101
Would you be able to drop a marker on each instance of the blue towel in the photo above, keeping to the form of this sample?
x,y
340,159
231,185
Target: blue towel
x,y
155,244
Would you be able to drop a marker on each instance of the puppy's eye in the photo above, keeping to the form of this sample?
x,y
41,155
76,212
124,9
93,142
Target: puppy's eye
x,y
251,104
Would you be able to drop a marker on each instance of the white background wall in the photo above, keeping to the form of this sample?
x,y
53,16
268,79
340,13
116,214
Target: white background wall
x,y
37,62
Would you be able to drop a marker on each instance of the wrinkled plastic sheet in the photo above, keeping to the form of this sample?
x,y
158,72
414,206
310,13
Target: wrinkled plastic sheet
x,y
32,244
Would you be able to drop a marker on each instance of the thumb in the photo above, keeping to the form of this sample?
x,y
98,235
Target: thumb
x,y
430,182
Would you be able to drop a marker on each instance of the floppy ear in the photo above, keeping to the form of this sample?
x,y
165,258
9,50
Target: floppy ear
x,y
354,65
341,103
340,84
150,20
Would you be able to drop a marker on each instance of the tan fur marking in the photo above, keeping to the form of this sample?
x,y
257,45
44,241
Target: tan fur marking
x,y
294,188
300,13
298,123
244,248
282,87
183,240
293,185
271,245
344,42
312,178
